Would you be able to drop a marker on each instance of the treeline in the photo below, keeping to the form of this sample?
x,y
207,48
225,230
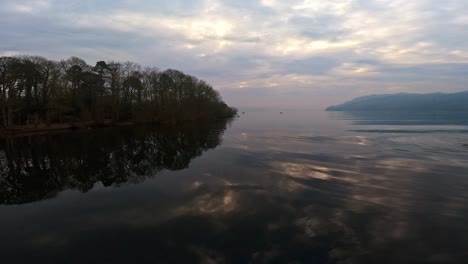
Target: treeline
x,y
35,90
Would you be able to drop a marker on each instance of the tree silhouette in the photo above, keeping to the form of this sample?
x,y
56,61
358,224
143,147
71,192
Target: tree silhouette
x,y
34,90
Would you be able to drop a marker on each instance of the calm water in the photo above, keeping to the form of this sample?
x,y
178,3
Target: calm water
x,y
302,187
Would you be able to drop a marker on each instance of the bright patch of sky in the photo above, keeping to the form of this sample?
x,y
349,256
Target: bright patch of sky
x,y
299,53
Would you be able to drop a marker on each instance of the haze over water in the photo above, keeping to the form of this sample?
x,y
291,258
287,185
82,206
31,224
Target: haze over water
x,y
298,187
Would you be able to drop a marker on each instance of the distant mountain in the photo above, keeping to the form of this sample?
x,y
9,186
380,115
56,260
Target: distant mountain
x,y
406,102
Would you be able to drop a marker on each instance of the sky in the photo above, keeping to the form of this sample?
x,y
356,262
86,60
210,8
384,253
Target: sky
x,y
259,53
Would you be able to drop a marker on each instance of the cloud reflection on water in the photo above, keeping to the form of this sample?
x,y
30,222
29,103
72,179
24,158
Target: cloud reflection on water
x,y
327,199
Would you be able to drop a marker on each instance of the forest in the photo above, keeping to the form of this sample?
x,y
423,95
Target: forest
x,y
35,91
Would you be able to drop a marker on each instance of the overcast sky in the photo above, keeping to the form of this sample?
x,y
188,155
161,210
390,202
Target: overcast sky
x,y
299,53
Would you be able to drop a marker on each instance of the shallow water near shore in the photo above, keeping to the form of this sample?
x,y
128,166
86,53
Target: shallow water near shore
x,y
298,187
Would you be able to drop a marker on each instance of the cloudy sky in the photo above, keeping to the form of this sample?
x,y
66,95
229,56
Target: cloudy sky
x,y
298,53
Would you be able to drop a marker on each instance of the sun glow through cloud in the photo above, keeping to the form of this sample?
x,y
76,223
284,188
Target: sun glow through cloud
x,y
306,48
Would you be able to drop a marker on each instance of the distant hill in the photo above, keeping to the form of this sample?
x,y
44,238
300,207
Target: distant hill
x,y
406,102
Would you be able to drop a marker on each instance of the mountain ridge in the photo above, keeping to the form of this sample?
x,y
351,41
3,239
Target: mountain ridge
x,y
406,102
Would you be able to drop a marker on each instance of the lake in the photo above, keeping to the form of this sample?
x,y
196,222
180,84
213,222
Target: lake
x,y
299,187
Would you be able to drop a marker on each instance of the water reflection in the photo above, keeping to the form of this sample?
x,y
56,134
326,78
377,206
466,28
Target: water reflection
x,y
38,167
403,118
281,195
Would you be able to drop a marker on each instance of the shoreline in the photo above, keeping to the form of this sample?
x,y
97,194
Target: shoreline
x,y
26,130
41,129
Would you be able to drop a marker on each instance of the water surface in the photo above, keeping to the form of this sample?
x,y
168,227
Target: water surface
x,y
298,187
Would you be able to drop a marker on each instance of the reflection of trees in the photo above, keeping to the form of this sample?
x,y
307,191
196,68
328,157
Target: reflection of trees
x,y
37,167
363,211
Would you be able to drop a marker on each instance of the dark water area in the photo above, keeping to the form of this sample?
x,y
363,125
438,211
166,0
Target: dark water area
x,y
298,187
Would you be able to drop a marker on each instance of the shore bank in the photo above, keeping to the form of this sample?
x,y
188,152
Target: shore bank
x,y
25,130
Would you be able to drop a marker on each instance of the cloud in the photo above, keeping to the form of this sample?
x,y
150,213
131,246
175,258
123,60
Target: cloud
x,y
267,44
26,6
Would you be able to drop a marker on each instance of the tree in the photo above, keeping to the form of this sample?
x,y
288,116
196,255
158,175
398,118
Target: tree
x,y
36,90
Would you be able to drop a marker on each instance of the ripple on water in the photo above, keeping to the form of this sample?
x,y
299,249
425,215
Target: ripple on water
x,y
434,143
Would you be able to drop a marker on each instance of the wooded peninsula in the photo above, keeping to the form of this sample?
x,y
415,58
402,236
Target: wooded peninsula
x,y
36,92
